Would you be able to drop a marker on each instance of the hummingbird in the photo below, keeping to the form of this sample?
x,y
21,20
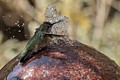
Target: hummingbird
x,y
41,37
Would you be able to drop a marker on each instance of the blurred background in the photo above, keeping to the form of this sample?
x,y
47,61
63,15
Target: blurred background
x,y
93,22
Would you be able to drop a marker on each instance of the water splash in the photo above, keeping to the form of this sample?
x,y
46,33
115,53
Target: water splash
x,y
52,16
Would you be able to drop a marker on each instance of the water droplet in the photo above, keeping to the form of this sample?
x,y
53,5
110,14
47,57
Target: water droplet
x,y
19,30
6,29
9,15
23,24
10,19
13,36
17,21
18,25
21,16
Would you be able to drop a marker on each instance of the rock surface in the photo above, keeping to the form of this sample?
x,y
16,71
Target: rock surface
x,y
63,60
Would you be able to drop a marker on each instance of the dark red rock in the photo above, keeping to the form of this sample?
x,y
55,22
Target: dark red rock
x,y
64,60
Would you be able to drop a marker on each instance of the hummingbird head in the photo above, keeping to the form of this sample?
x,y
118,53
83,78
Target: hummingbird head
x,y
46,27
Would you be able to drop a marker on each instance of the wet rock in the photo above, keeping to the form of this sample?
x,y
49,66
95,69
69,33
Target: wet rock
x,y
63,59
